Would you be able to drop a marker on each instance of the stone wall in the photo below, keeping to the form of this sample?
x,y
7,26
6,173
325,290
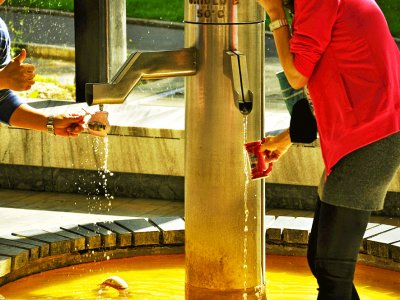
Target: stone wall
x,y
144,163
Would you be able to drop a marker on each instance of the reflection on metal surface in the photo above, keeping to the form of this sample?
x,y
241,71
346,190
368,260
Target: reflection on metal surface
x,y
141,65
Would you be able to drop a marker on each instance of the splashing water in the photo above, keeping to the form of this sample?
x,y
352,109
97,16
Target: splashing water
x,y
246,210
259,290
103,171
97,187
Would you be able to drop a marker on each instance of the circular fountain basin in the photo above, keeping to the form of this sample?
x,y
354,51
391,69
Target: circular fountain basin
x,y
163,277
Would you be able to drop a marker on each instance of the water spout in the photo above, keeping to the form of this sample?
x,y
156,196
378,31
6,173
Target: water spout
x,y
142,65
240,82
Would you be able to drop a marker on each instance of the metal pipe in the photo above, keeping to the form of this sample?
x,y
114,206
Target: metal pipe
x,y
141,65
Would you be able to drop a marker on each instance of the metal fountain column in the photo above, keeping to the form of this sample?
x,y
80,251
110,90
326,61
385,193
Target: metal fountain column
x,y
223,62
224,237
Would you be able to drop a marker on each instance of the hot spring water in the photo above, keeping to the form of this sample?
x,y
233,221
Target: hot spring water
x,y
162,277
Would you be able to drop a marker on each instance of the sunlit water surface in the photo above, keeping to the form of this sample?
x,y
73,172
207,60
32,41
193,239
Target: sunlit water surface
x,y
163,277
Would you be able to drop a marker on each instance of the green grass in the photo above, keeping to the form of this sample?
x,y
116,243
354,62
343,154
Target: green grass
x,y
63,5
172,10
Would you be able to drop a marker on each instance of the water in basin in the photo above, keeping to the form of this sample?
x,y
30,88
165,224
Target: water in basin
x,y
163,277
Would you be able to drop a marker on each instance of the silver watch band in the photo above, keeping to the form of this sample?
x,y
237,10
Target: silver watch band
x,y
50,125
278,24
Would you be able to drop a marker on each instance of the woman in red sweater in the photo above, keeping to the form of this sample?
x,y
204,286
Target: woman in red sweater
x,y
343,51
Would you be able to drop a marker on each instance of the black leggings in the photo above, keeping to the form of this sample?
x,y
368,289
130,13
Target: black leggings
x,y
335,240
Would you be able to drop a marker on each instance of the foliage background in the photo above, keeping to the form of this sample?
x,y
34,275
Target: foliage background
x,y
172,10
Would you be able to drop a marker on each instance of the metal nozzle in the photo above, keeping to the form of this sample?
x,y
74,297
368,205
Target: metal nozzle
x,y
240,82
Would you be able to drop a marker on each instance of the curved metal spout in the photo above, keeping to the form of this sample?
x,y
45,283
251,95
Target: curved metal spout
x,y
240,82
141,65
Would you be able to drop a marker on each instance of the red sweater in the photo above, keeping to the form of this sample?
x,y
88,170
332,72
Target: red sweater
x,y
353,65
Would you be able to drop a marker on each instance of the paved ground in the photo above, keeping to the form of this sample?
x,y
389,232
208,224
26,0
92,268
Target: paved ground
x,y
23,210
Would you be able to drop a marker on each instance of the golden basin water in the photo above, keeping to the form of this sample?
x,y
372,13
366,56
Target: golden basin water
x,y
163,277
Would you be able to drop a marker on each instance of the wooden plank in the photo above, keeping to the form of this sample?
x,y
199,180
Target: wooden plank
x,y
19,256
274,231
372,225
377,230
92,239
143,232
395,251
124,236
33,249
77,242
172,229
297,231
44,248
58,244
108,238
378,245
5,265
372,232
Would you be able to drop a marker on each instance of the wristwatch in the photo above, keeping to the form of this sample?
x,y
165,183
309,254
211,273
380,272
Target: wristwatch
x,y
278,24
50,125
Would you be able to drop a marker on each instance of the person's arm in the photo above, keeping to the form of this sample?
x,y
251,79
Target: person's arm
x,y
26,116
276,11
18,76
277,145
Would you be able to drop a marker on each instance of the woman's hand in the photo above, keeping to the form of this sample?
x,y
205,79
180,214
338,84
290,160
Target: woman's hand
x,y
276,145
17,75
69,125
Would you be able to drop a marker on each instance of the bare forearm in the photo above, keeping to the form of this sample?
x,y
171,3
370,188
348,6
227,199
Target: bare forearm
x,y
283,140
275,12
26,116
295,78
276,145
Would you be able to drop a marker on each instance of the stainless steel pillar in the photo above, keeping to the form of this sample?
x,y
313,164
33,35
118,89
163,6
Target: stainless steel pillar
x,y
224,235
100,41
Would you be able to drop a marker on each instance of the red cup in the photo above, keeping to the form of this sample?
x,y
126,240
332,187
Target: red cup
x,y
259,168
